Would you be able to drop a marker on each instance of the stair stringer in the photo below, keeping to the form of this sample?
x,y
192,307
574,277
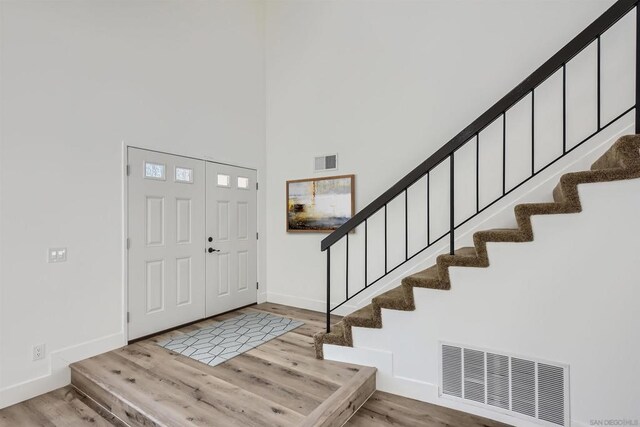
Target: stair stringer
x,y
609,209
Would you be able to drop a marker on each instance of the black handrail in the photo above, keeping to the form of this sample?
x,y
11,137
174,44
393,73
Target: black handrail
x,y
564,55
447,153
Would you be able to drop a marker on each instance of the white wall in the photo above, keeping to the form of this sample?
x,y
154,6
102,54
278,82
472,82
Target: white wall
x,y
78,80
569,303
384,84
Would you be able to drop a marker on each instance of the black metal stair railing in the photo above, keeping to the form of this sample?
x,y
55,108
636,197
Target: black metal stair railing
x,y
471,133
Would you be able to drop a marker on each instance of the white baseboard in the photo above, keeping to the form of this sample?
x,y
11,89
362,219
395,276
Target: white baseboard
x,y
296,301
262,297
35,387
321,305
59,374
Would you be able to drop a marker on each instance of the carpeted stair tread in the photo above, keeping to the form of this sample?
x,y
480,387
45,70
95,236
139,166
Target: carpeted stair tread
x,y
499,235
621,161
362,317
424,279
336,336
463,257
396,299
469,251
394,293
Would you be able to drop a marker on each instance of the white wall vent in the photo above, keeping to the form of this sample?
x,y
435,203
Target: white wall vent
x,y
519,386
325,163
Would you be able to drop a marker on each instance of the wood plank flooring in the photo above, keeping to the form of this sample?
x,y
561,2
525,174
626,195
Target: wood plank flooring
x,y
279,383
62,407
385,409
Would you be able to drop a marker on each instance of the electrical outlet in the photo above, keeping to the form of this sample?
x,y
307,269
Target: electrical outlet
x,y
38,352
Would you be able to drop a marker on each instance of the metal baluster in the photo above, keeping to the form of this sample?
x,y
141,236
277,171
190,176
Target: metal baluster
x,y
599,89
478,172
329,289
347,268
451,205
365,254
638,69
406,224
385,240
428,213
533,131
504,153
564,109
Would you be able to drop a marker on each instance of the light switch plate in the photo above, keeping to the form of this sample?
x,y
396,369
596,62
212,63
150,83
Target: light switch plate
x,y
57,255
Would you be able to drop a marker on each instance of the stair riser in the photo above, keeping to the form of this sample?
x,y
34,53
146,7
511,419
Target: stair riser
x,y
104,413
111,403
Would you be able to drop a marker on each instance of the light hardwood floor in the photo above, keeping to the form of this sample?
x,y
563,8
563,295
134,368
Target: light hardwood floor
x,y
64,407
279,383
385,409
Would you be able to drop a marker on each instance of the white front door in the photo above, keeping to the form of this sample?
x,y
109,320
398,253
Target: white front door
x,y
166,264
231,238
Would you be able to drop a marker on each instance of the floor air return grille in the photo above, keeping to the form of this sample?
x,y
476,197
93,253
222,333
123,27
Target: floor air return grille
x,y
522,387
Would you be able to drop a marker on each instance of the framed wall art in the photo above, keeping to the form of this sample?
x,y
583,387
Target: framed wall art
x,y
320,204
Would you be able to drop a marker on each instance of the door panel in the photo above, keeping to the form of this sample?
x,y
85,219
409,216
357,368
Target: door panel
x,y
231,223
183,221
155,286
155,221
166,228
184,283
223,274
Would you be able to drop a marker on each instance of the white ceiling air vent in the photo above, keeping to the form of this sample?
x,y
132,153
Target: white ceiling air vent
x,y
325,163
522,387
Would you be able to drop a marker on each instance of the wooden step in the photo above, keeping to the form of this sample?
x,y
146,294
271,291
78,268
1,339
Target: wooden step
x,y
279,383
132,396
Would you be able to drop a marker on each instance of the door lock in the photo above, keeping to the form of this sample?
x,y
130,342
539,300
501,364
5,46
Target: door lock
x,y
210,239
213,250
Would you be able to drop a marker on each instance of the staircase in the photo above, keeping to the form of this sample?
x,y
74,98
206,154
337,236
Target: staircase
x,y
565,195
381,339
620,162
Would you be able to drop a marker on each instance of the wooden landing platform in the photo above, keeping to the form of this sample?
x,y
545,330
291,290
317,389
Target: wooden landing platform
x,y
279,383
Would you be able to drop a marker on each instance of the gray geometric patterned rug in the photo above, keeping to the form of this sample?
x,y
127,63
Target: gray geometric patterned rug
x,y
220,341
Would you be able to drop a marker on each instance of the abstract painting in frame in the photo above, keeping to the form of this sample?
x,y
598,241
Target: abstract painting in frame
x,y
319,204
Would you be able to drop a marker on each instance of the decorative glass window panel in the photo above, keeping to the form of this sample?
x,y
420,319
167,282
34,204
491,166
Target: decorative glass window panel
x,y
243,182
154,170
224,180
184,175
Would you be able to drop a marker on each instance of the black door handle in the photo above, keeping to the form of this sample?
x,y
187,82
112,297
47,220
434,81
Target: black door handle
x,y
213,250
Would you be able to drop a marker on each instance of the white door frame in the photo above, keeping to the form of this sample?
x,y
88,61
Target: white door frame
x,y
125,224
